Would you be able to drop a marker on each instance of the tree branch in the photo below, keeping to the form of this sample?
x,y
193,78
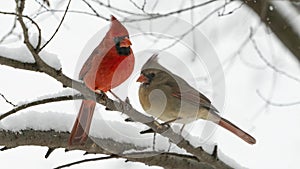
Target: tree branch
x,y
39,102
55,140
278,24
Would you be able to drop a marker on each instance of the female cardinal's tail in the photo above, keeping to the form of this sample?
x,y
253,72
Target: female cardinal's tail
x,y
237,131
81,127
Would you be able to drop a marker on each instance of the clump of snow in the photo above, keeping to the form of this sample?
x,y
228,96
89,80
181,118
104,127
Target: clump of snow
x,y
34,39
22,54
51,59
37,121
65,92
229,161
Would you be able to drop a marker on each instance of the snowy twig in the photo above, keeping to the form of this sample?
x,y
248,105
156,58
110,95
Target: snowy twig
x,y
39,102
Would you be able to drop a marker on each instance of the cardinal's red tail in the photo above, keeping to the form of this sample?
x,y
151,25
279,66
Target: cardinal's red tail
x,y
81,127
237,131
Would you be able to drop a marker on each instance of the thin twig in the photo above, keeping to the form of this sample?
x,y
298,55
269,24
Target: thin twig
x,y
10,32
71,11
39,102
142,8
192,28
271,65
59,25
276,103
159,15
94,10
117,9
20,15
7,101
86,160
230,12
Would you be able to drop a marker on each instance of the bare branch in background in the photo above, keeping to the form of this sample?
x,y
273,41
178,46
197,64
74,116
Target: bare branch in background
x,y
224,13
278,24
94,10
20,15
11,31
142,8
269,102
194,26
270,65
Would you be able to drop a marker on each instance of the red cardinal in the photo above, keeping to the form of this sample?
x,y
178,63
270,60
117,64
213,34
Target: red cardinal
x,y
110,64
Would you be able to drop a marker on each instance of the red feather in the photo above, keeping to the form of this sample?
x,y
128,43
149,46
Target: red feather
x,y
103,70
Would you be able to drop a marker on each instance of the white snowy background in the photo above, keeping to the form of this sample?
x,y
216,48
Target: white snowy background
x,y
274,127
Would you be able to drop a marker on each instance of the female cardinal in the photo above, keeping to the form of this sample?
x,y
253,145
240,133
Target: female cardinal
x,y
109,65
169,98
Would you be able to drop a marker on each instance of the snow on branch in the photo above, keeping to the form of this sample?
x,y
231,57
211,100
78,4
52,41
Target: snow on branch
x,y
59,140
24,130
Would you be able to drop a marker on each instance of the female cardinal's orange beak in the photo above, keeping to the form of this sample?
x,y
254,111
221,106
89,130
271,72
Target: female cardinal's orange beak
x,y
125,43
142,79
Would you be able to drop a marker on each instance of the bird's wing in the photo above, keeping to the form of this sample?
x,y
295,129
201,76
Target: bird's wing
x,y
187,93
88,63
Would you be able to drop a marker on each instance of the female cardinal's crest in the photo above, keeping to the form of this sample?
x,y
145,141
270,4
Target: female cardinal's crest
x,y
152,62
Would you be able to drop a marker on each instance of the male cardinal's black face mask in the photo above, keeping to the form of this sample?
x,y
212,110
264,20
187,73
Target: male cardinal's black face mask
x,y
122,45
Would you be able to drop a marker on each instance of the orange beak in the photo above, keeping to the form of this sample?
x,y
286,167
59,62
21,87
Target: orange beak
x,y
142,79
125,43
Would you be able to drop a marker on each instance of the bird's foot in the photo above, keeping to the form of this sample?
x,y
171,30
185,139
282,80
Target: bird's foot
x,y
215,152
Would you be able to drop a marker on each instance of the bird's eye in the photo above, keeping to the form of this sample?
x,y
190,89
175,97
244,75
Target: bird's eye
x,y
151,75
117,40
